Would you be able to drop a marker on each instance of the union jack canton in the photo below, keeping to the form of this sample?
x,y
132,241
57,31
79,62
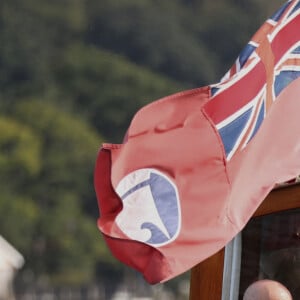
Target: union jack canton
x,y
244,96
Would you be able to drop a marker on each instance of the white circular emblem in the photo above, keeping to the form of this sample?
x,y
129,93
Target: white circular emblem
x,y
151,207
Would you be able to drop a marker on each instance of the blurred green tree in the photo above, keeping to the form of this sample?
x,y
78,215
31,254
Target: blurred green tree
x,y
57,151
156,34
107,89
20,162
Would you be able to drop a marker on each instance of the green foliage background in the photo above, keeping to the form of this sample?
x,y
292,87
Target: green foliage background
x,y
72,75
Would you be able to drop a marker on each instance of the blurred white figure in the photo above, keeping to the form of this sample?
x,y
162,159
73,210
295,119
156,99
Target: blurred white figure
x,y
10,261
267,290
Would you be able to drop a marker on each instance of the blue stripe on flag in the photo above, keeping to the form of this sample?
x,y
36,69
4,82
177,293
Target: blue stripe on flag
x,y
259,120
280,12
213,90
295,9
231,132
246,52
284,79
296,50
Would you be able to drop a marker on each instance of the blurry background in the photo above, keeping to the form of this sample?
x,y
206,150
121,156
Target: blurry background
x,y
72,74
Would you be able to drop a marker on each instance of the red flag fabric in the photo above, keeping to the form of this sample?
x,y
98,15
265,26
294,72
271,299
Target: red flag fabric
x,y
196,165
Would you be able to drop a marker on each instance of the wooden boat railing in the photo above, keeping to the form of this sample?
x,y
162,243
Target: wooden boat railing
x,y
206,277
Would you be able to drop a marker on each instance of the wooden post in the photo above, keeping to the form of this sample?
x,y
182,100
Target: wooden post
x,y
207,277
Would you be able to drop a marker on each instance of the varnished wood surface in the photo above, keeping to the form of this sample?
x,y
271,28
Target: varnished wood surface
x,y
207,277
280,199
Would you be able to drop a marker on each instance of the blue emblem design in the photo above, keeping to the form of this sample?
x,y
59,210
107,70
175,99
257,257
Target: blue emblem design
x,y
151,207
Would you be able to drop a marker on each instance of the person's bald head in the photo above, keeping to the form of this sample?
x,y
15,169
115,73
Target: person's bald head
x,y
267,290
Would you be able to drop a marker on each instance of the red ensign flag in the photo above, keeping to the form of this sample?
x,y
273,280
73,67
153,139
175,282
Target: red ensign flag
x,y
197,164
